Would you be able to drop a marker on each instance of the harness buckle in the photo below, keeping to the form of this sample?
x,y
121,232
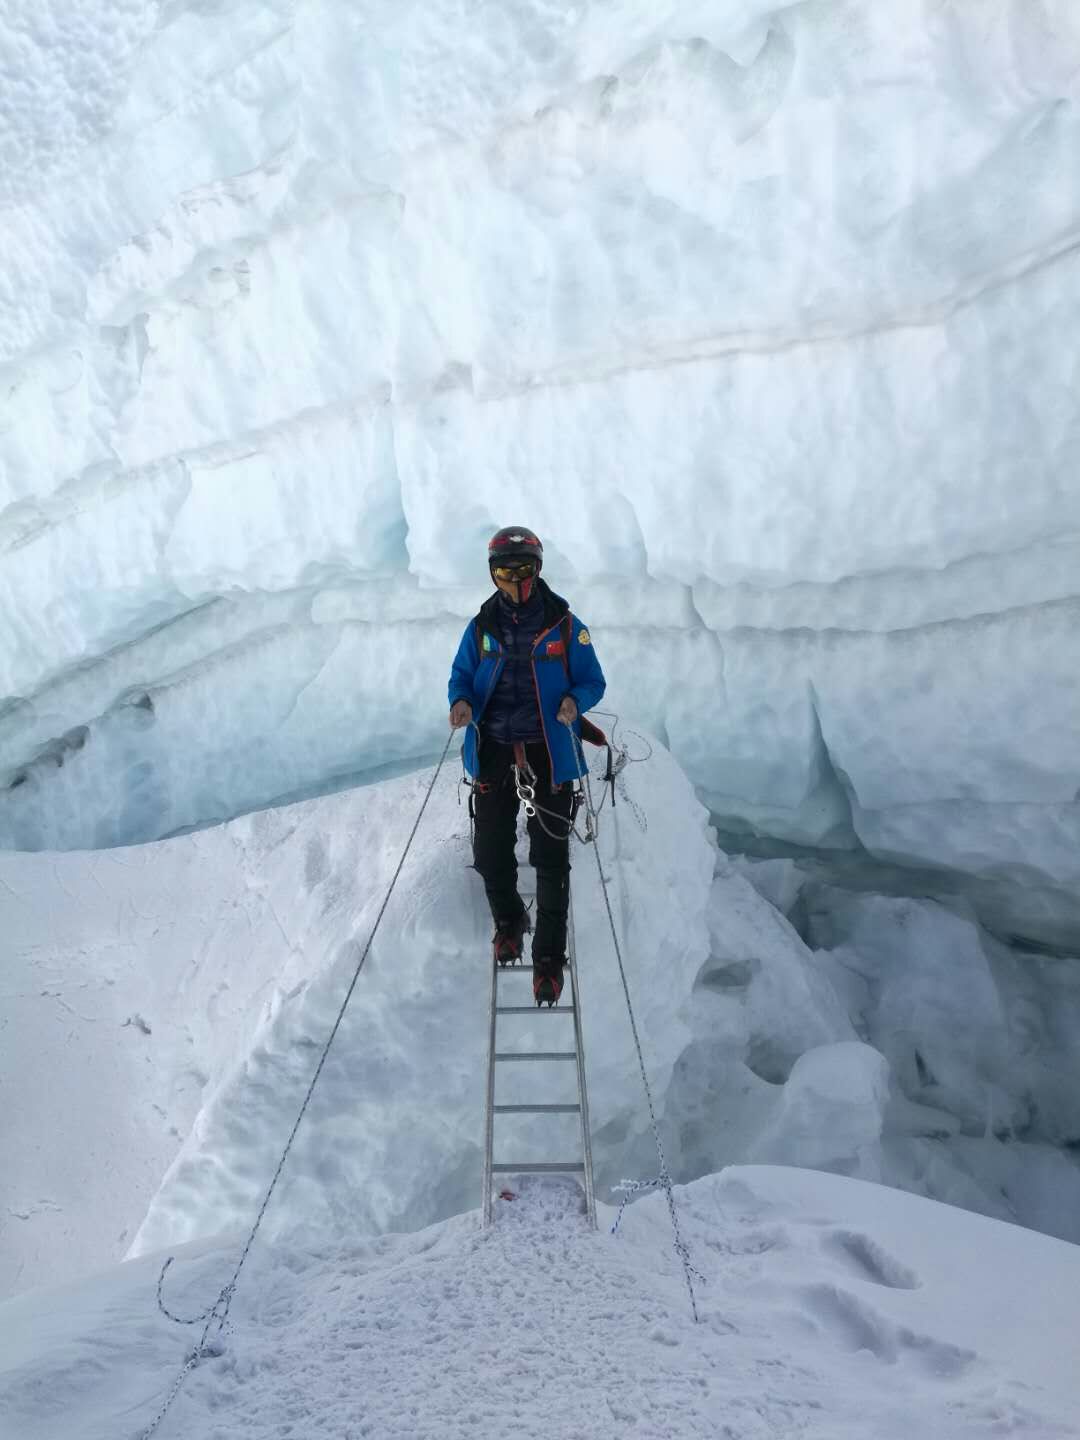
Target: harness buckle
x,y
525,779
521,763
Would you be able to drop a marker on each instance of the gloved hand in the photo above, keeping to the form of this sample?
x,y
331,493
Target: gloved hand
x,y
460,715
568,711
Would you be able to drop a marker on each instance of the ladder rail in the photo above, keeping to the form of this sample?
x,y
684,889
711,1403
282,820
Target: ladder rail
x,y
582,1167
583,1099
489,1118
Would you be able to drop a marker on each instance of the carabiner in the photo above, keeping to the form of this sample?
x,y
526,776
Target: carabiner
x,y
524,790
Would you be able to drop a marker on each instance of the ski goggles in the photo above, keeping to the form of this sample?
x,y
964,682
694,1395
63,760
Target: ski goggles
x,y
521,570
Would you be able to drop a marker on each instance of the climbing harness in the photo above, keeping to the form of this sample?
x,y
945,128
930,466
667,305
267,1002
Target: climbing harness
x,y
618,758
219,1311
525,783
664,1178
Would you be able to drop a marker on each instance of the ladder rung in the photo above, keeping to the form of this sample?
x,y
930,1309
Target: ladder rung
x,y
572,1167
536,1109
532,1009
536,1055
523,969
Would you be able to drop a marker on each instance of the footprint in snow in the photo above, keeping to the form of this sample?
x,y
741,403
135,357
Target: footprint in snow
x,y
870,1261
751,1242
621,1412
858,1326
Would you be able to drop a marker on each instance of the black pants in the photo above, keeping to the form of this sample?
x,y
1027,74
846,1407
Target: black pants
x,y
495,807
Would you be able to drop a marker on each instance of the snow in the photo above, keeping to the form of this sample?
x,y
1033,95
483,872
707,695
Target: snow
x,y
160,1043
830,1308
761,315
165,1007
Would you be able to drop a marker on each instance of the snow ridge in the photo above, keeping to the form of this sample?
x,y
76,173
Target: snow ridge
x,y
541,1327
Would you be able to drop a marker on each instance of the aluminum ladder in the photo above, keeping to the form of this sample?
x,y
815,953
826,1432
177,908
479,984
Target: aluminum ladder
x,y
556,1015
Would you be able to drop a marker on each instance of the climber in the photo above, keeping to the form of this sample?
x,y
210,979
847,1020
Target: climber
x,y
524,673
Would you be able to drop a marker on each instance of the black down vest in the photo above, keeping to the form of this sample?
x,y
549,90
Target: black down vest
x,y
513,712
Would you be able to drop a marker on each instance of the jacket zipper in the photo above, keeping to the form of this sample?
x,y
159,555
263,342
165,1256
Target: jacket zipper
x,y
539,701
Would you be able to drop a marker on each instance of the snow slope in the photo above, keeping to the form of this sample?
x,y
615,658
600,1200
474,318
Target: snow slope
x,y
830,1309
761,314
164,1008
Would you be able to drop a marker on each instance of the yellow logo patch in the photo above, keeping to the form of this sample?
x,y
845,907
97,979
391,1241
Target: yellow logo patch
x,y
584,638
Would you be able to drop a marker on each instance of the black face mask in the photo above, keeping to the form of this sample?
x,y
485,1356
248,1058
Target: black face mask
x,y
518,591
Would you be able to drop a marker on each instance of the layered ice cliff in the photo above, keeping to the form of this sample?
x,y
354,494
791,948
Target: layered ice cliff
x,y
763,316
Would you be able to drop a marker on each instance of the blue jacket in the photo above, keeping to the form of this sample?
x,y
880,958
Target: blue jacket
x,y
479,661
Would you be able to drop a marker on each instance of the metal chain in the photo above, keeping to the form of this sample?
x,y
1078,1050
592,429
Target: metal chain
x,y
220,1308
664,1178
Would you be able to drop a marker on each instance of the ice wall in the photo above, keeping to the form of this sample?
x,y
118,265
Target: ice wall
x,y
764,316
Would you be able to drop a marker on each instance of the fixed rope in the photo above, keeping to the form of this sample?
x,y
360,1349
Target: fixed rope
x,y
664,1178
219,1311
614,778
525,782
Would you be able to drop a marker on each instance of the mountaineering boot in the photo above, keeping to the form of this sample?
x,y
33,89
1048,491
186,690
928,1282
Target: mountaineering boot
x,y
547,981
509,941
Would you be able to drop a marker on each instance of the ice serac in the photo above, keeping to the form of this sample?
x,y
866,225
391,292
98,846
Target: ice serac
x,y
763,316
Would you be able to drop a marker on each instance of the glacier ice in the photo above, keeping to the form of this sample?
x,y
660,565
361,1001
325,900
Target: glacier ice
x,y
761,314
764,316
